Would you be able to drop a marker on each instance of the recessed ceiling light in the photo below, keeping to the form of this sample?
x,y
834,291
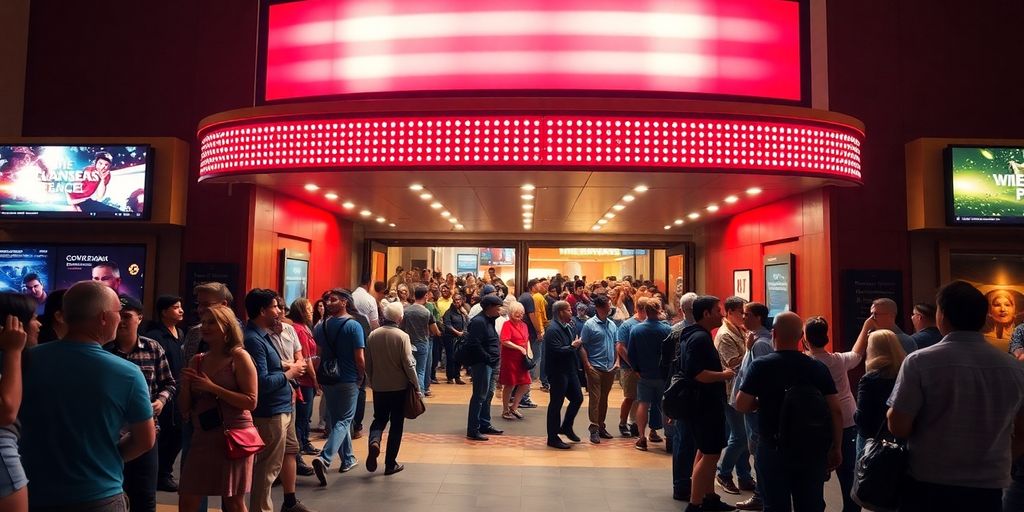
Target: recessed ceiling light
x,y
667,226
609,215
527,206
416,187
712,208
602,221
694,215
679,222
331,195
365,213
527,214
312,187
426,195
459,226
596,228
435,205
446,213
382,220
619,207
640,189
527,226
753,191
628,198
392,224
731,199
453,220
348,205
528,197
528,187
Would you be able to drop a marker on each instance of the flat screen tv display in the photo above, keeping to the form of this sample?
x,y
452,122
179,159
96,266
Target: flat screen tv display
x,y
28,270
75,182
294,275
985,185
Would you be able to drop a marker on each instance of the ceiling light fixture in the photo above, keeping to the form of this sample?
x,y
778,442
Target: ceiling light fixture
x,y
528,197
667,226
602,221
331,195
679,222
528,187
348,205
609,215
694,215
453,220
712,208
640,189
312,187
527,206
391,225
365,213
459,226
731,199
527,215
628,198
596,228
425,196
382,220
416,187
753,191
435,205
618,207
446,213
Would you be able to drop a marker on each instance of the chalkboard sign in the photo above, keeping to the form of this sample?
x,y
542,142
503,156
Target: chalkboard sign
x,y
860,289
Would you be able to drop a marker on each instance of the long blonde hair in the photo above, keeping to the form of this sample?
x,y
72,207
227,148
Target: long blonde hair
x,y
885,354
228,322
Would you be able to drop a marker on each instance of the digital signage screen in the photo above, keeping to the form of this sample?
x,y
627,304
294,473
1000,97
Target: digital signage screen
x,y
985,185
720,48
497,257
121,267
27,270
294,275
72,182
778,284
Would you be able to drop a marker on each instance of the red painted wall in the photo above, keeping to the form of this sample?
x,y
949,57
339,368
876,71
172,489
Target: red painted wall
x,y
797,225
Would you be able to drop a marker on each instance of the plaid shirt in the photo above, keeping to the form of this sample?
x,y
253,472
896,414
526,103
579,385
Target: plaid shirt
x,y
151,359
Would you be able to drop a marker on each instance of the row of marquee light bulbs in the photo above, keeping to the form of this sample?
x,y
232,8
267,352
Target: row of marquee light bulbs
x,y
529,198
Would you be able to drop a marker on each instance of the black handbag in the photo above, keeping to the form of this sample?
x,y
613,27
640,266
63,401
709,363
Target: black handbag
x,y
329,372
880,474
528,362
681,400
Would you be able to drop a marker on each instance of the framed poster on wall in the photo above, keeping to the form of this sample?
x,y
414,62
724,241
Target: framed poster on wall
x,y
741,283
1001,278
778,284
467,263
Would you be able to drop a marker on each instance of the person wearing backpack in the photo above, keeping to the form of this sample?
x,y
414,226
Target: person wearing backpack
x,y
701,364
799,421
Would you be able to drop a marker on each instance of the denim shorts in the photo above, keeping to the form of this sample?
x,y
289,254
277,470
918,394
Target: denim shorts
x,y
12,475
650,390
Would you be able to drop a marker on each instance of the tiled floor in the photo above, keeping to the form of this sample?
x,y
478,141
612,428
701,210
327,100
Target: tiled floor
x,y
513,472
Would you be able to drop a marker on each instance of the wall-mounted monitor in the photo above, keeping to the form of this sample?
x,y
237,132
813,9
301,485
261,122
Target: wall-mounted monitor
x,y
29,270
294,275
467,264
985,185
75,182
778,284
497,257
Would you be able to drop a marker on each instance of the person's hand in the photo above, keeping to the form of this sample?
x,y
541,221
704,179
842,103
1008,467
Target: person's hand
x,y
729,373
158,407
1020,356
871,324
296,370
577,343
198,381
835,458
750,339
13,337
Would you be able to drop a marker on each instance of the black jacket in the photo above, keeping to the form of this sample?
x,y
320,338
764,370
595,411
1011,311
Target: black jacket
x,y
559,354
453,319
872,394
482,342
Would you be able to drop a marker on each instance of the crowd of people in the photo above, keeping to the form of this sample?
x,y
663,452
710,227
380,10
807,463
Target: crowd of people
x,y
96,404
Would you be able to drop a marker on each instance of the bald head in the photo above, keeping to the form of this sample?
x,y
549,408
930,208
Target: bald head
x,y
787,331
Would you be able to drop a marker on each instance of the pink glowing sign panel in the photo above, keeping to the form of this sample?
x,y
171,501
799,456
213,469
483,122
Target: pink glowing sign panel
x,y
739,48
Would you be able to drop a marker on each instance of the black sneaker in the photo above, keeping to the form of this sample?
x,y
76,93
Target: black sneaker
x,y
713,503
309,449
492,431
390,470
754,503
604,434
527,404
558,443
345,468
634,430
545,388
167,484
371,458
570,434
624,430
595,437
320,469
303,469
726,484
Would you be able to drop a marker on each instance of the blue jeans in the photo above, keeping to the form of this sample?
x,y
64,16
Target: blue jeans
x,y
736,454
683,453
422,357
753,439
341,402
480,404
845,471
789,486
186,443
303,415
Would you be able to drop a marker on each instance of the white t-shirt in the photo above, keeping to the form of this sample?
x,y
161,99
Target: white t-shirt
x,y
839,363
287,343
365,304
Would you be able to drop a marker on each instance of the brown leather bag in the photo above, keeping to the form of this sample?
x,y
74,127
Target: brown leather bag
x,y
414,405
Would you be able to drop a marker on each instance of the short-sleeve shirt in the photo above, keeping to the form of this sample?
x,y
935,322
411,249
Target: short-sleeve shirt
x,y
341,336
622,336
77,399
963,395
365,304
645,342
762,346
416,323
526,299
768,378
697,353
598,339
839,365
287,343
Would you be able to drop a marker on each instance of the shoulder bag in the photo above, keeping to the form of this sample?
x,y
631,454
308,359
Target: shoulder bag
x,y
414,405
880,474
239,443
329,372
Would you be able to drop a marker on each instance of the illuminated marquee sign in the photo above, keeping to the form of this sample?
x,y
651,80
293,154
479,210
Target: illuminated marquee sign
x,y
627,142
741,48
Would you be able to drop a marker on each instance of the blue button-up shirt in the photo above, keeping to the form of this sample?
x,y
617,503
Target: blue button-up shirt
x,y
275,394
598,338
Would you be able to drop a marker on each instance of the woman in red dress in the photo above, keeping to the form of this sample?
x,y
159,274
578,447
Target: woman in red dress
x,y
515,347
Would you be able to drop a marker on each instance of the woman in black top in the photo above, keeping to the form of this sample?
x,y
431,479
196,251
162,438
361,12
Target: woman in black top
x,y
884,357
455,322
164,329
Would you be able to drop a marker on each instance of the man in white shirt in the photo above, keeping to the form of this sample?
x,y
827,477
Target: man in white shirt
x,y
366,299
286,341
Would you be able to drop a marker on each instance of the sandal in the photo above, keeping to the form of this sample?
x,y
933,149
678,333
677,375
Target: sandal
x,y
508,416
516,413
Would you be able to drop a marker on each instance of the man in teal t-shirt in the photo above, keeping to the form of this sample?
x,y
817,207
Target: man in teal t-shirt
x,y
85,411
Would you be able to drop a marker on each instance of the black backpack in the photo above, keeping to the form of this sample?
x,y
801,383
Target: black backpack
x,y
805,425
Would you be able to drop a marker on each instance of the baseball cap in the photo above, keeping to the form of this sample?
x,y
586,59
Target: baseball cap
x,y
490,300
129,303
487,289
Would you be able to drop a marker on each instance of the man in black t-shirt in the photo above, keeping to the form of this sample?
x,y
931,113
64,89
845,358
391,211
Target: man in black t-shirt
x,y
764,390
700,363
